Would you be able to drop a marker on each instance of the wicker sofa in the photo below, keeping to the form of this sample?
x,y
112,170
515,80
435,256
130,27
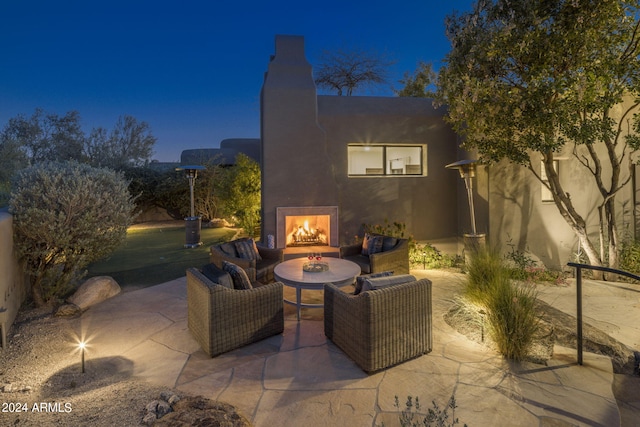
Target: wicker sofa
x,y
222,319
394,256
263,267
383,327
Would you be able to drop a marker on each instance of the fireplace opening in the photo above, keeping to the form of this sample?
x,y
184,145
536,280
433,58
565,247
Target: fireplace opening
x,y
321,228
307,230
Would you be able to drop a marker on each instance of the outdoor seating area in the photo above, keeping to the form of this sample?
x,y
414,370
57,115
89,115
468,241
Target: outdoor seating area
x,y
234,301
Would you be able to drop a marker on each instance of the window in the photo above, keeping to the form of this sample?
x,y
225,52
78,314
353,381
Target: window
x,y
545,194
386,160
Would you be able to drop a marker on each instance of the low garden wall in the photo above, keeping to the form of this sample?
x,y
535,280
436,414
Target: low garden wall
x,y
13,286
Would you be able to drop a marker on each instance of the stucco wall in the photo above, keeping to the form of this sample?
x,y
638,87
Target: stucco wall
x,y
426,204
518,216
13,286
304,153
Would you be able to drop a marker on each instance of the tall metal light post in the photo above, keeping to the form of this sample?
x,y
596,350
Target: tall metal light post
x,y
192,223
467,170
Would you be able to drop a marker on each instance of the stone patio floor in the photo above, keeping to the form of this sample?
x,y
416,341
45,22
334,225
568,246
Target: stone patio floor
x,y
301,378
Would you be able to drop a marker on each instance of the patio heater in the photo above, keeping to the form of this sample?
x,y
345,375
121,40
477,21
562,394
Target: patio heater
x,y
467,170
192,223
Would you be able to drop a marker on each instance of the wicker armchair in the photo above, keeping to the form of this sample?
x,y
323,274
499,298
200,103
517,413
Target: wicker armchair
x,y
264,267
395,259
223,319
380,328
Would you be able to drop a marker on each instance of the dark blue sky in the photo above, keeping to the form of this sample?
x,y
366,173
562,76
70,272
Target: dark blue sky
x,y
192,69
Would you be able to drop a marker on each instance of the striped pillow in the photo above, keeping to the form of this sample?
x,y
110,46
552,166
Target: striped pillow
x,y
247,249
238,276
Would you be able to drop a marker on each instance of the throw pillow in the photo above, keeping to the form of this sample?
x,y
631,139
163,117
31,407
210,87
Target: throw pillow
x,y
360,279
371,244
218,276
247,249
229,249
238,276
386,282
388,243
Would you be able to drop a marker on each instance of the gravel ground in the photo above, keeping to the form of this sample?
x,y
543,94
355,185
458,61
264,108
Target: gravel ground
x,y
41,383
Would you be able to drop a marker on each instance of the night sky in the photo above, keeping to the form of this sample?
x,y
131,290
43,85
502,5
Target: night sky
x,y
192,69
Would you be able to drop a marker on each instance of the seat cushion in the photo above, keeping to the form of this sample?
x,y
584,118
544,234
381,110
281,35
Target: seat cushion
x,y
247,249
218,276
372,284
238,276
264,269
362,261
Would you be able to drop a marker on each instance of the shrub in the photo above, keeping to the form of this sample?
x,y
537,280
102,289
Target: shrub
x,y
397,229
483,269
240,193
5,193
524,267
630,257
511,317
510,308
66,215
143,183
428,256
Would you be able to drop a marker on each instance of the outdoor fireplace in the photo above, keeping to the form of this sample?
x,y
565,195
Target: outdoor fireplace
x,y
307,226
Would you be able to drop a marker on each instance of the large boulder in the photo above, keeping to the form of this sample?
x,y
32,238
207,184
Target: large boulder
x,y
94,291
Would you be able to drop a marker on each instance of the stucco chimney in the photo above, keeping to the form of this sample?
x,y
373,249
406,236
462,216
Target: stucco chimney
x,y
296,170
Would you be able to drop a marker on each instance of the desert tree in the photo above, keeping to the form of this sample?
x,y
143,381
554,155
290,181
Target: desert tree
x,y
345,71
528,79
420,84
43,137
129,143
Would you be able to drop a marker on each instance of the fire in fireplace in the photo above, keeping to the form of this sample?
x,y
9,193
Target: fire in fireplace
x,y
307,230
321,227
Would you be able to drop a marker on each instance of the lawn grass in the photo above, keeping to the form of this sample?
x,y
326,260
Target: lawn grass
x,y
150,256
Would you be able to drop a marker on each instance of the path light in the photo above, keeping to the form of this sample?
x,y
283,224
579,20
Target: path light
x,y
192,223
82,345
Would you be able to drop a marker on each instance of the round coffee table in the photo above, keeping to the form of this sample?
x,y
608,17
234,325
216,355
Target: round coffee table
x,y
341,273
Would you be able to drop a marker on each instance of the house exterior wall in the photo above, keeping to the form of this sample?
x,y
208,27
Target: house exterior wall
x,y
520,220
14,286
304,153
426,204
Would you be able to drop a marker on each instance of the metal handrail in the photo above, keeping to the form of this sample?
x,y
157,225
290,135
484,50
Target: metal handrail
x,y
579,268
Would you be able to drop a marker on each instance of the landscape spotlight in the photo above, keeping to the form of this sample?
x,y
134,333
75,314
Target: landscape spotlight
x,y
192,223
82,346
